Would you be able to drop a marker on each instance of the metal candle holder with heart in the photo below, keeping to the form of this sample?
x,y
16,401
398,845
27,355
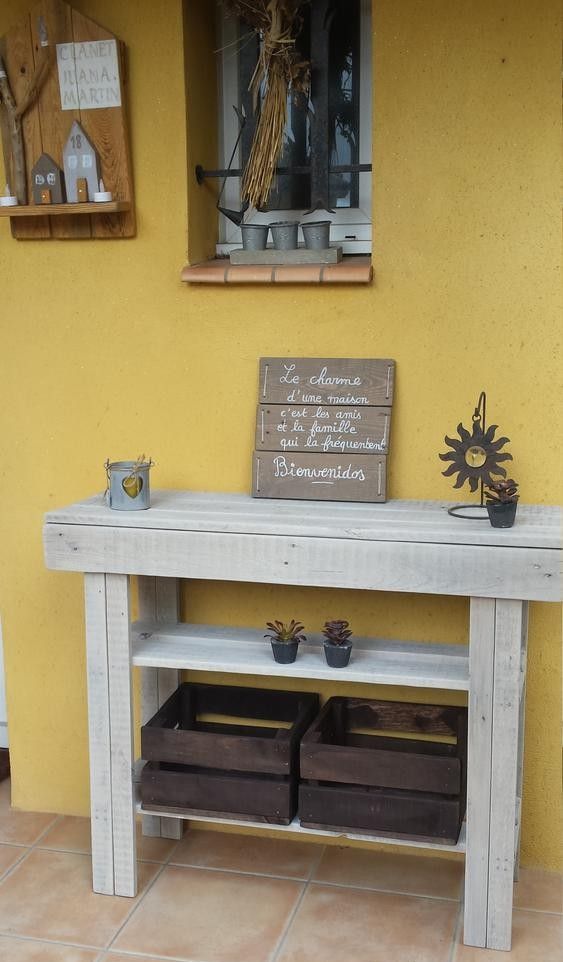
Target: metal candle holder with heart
x,y
128,486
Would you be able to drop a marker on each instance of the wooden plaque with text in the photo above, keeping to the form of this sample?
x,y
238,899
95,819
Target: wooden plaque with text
x,y
323,428
319,477
318,428
330,380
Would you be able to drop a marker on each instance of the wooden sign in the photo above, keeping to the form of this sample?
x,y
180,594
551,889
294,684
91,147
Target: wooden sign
x,y
326,381
80,163
47,176
322,428
88,75
319,477
317,428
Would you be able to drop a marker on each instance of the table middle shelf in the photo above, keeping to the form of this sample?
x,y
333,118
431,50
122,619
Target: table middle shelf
x,y
245,651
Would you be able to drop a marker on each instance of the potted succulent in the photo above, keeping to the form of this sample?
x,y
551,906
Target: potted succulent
x,y
501,501
337,643
285,640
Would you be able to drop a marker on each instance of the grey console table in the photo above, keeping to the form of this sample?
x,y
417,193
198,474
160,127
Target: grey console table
x,y
403,546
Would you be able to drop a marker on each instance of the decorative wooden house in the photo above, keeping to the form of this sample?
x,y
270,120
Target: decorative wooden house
x,y
47,182
80,165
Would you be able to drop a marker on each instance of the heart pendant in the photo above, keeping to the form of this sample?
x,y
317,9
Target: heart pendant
x,y
132,485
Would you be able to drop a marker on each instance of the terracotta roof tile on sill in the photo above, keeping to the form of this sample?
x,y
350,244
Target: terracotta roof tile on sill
x,y
351,270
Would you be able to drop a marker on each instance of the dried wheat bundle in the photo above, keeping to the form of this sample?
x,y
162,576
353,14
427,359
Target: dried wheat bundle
x,y
277,22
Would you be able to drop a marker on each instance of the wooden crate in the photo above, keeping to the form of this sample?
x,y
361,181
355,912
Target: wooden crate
x,y
201,762
4,764
354,777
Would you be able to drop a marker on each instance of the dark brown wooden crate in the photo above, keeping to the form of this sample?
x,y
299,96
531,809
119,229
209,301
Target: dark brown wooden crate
x,y
177,734
190,790
202,763
4,763
374,811
371,782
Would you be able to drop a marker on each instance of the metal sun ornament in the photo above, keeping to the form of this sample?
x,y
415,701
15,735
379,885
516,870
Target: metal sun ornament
x,y
475,457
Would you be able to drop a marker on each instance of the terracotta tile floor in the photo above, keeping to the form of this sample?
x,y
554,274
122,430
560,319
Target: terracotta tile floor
x,y
215,897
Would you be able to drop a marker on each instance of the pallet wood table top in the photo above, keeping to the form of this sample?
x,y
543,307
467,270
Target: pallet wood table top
x,y
398,546
537,526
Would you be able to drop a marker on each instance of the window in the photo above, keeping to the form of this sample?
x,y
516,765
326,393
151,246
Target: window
x,y
330,133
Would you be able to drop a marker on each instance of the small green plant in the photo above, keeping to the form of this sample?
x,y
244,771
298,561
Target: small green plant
x,y
285,634
337,632
502,492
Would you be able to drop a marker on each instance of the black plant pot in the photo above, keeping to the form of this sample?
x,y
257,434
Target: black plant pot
x,y
285,651
337,656
502,514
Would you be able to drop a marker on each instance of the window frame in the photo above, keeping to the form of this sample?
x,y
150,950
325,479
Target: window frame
x,y
351,226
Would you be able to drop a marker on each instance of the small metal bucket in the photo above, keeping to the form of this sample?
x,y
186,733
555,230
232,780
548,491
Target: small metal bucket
x,y
284,234
254,236
128,486
316,234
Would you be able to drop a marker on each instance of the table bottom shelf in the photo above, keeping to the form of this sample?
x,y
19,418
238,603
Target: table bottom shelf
x,y
295,828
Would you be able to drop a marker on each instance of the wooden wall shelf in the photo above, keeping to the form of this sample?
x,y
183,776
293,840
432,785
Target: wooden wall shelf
x,y
31,49
51,210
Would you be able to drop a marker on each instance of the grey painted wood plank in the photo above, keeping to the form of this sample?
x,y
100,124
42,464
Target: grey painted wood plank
x,y
504,772
244,651
295,828
537,526
158,602
121,734
151,824
302,255
464,570
521,732
101,815
479,762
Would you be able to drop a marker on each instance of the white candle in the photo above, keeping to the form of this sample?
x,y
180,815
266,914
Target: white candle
x,y
102,196
7,200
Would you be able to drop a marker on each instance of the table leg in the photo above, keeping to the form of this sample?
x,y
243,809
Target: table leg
x,y
479,759
521,727
497,629
108,631
509,629
99,733
159,601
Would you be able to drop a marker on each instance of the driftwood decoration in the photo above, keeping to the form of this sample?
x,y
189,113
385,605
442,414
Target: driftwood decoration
x,y
15,113
277,22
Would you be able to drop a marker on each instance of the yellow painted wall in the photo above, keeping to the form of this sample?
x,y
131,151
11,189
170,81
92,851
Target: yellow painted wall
x,y
104,352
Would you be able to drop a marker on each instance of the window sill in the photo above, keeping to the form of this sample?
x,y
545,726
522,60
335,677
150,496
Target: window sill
x,y
350,270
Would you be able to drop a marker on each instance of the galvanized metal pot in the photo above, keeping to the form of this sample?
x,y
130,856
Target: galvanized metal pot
x,y
254,236
284,234
128,487
316,234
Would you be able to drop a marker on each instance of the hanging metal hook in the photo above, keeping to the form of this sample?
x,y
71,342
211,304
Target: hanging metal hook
x,y
236,216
